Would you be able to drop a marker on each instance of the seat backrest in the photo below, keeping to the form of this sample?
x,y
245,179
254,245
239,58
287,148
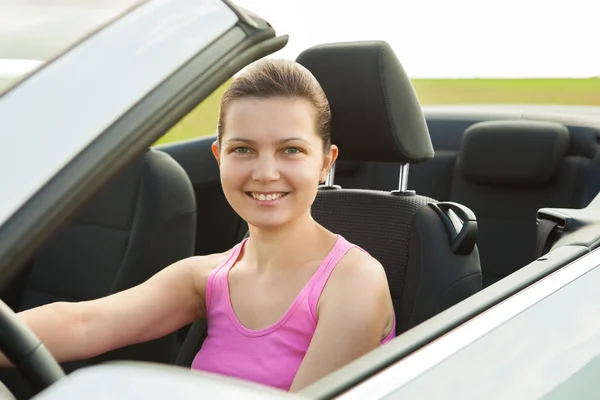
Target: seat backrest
x,y
142,221
376,117
506,171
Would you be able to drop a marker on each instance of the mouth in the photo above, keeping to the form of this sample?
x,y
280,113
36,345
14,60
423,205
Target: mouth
x,y
266,198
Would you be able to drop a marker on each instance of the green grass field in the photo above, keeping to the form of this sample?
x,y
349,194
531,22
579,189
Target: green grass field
x,y
202,120
523,91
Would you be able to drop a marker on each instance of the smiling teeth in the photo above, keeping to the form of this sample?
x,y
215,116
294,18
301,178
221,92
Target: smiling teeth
x,y
265,197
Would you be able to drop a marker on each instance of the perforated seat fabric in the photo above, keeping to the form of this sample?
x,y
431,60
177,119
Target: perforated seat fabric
x,y
141,222
408,238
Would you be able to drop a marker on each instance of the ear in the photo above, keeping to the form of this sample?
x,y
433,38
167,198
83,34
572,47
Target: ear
x,y
328,161
216,152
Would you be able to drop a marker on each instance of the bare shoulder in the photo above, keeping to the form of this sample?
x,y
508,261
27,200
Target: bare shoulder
x,y
196,270
202,266
357,297
357,276
206,264
359,268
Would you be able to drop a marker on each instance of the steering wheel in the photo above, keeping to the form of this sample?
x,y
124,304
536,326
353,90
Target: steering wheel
x,y
26,351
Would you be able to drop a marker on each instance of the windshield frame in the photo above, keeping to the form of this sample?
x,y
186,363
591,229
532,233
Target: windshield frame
x,y
112,144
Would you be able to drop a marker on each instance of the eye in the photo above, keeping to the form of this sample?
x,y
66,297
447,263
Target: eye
x,y
292,150
241,150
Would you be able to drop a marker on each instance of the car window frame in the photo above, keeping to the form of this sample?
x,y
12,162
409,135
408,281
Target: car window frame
x,y
134,131
504,357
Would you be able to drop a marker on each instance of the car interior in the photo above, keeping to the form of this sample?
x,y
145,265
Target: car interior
x,y
445,198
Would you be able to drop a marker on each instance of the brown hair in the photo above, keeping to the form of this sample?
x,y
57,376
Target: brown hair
x,y
269,78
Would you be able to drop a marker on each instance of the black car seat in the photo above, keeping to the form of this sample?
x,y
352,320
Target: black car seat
x,y
544,168
427,248
142,221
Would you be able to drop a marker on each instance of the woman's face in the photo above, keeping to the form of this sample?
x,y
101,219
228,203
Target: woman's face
x,y
271,159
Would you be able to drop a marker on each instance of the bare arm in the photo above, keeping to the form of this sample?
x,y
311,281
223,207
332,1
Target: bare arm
x,y
164,303
355,313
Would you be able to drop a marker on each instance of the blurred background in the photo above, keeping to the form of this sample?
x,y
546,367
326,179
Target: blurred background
x,y
456,52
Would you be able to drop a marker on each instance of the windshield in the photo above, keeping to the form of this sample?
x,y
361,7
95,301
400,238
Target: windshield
x,y
33,32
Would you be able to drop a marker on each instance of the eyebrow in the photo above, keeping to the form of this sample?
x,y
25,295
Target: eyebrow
x,y
282,141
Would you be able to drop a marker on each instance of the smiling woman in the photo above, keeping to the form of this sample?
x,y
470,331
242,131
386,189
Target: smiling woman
x,y
32,33
269,296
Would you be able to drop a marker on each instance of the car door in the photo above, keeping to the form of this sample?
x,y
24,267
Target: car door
x,y
543,343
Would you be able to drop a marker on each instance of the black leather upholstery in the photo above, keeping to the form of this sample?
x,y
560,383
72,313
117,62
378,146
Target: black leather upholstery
x,y
541,169
371,96
398,229
524,153
140,223
436,278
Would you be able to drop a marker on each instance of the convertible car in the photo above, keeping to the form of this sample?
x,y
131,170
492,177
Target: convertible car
x,y
486,218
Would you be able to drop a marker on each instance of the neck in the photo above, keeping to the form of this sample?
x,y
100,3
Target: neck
x,y
274,248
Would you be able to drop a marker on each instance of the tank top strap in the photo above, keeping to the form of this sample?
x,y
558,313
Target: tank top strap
x,y
219,275
341,247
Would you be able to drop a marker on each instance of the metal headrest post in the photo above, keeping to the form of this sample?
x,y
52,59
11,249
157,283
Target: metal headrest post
x,y
330,176
403,178
329,180
403,182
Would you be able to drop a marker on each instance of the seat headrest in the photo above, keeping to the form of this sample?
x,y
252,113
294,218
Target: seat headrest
x,y
513,152
375,113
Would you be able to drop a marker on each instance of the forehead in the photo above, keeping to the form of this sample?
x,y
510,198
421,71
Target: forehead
x,y
273,118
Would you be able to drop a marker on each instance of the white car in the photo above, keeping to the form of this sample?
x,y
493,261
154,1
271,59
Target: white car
x,y
497,266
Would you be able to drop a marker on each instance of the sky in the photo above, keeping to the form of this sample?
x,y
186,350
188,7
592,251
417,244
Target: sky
x,y
451,38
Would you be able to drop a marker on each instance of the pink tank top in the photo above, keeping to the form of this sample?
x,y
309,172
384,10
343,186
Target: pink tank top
x,y
270,356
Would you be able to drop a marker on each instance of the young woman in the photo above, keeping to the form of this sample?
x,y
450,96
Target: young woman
x,y
285,307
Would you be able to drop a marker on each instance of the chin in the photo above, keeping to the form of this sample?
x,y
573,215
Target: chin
x,y
266,223
268,218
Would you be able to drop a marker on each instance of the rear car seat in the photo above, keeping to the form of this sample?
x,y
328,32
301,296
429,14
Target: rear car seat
x,y
435,178
137,225
506,171
432,178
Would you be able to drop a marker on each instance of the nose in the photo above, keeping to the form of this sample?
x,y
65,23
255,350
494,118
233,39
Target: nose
x,y
266,169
